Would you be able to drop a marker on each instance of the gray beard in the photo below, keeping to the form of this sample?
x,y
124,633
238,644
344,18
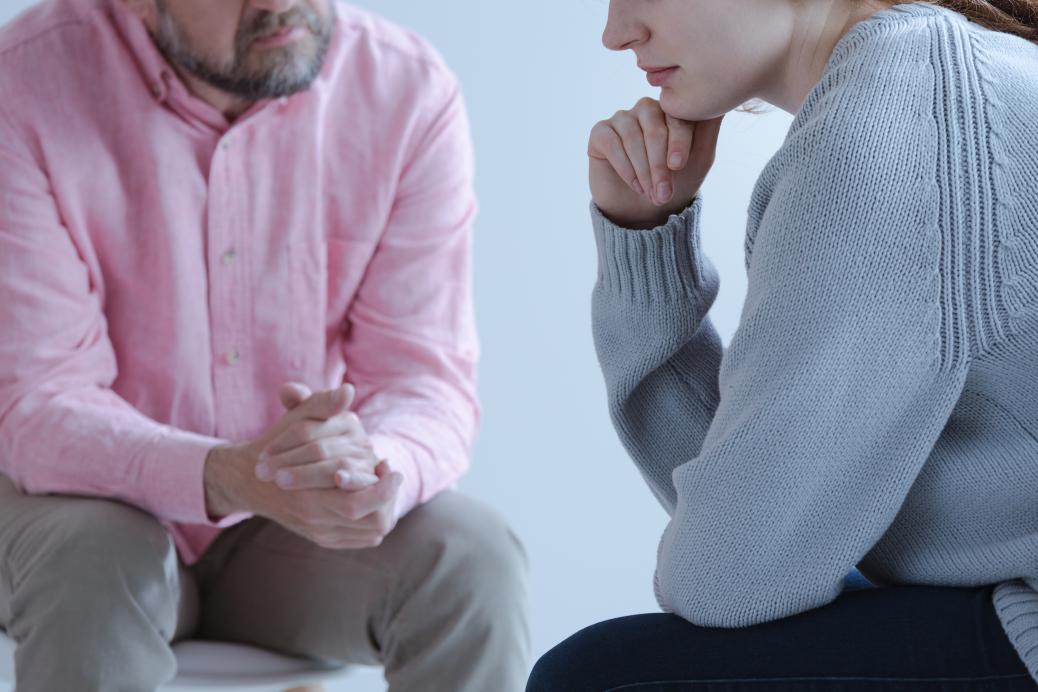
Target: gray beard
x,y
284,77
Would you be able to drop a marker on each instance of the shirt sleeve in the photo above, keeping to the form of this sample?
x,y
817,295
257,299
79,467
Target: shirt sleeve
x,y
62,428
411,346
836,385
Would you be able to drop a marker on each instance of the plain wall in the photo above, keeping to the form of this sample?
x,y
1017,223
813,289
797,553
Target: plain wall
x,y
536,78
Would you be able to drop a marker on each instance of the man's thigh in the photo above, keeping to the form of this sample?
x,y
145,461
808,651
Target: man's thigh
x,y
55,547
264,585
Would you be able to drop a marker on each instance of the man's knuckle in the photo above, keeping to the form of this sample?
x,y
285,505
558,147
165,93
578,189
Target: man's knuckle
x,y
326,448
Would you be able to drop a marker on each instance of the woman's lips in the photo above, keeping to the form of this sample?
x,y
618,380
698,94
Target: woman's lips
x,y
658,76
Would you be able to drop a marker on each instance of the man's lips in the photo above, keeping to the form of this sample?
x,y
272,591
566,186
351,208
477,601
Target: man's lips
x,y
282,35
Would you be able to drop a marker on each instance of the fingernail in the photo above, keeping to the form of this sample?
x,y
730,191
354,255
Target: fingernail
x,y
638,187
675,160
663,191
342,477
263,471
284,478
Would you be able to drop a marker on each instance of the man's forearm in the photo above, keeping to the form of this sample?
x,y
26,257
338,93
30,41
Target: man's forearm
x,y
223,481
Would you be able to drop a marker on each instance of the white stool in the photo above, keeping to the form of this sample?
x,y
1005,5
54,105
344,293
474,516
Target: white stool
x,y
203,665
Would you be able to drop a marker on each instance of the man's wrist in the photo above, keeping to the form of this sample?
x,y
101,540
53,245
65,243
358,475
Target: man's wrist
x,y
220,499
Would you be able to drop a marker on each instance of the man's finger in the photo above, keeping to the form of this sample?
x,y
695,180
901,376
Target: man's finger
x,y
317,450
325,474
300,433
360,504
354,480
328,403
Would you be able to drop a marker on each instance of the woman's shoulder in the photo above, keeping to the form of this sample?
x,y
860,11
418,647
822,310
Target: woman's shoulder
x,y
915,54
911,117
915,81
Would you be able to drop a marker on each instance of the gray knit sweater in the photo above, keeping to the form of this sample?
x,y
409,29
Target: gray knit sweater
x,y
878,403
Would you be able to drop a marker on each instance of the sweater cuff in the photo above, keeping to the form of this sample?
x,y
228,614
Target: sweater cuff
x,y
658,264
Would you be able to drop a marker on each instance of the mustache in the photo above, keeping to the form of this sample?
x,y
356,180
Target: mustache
x,y
266,23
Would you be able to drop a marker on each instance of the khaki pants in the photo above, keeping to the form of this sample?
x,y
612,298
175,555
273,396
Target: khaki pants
x,y
92,592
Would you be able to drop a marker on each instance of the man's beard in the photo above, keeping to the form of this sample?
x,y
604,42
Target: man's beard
x,y
280,72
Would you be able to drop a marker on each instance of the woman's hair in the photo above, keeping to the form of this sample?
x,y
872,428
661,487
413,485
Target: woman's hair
x,y
1019,17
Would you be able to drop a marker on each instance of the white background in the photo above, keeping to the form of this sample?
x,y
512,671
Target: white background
x,y
536,78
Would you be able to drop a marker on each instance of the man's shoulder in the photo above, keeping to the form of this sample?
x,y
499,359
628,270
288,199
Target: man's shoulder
x,y
390,50
46,43
45,25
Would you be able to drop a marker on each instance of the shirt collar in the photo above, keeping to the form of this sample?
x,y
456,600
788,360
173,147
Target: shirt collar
x,y
162,80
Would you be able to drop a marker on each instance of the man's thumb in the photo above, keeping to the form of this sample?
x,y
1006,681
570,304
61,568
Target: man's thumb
x,y
331,402
292,394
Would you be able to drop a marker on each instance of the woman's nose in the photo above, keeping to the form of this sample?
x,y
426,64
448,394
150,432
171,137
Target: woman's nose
x,y
622,30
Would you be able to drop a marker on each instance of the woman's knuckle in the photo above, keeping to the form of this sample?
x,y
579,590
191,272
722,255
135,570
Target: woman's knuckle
x,y
656,133
627,127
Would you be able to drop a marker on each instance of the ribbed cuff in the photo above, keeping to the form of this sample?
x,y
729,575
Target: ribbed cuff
x,y
658,264
1016,604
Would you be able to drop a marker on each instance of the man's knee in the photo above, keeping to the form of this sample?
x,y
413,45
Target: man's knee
x,y
471,548
96,554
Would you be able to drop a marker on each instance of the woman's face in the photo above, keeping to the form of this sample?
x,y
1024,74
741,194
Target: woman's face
x,y
720,50
722,53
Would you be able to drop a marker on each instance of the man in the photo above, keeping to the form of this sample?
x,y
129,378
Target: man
x,y
237,363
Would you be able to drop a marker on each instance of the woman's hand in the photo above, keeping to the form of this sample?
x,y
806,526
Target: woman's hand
x,y
646,165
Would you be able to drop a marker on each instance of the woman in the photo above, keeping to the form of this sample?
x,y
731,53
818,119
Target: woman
x,y
878,404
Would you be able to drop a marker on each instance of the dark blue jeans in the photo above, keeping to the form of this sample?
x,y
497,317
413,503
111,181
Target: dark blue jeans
x,y
898,638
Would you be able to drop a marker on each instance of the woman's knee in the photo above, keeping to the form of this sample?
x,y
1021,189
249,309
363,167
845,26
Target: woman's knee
x,y
569,666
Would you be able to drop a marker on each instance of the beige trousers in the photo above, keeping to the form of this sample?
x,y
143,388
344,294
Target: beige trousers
x,y
92,592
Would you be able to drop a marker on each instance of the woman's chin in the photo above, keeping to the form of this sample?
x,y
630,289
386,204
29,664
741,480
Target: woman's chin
x,y
677,105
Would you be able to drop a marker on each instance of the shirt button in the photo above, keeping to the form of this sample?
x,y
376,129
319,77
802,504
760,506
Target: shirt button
x,y
229,256
225,143
156,90
232,356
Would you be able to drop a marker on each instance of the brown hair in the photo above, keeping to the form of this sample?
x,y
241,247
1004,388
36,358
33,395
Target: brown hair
x,y
1019,17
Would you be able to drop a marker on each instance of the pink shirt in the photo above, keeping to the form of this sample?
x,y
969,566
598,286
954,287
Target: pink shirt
x,y
163,272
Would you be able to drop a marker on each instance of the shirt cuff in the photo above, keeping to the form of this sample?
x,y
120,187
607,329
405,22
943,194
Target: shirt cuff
x,y
174,479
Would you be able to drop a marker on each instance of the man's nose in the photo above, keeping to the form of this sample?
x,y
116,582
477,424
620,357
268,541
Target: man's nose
x,y
275,6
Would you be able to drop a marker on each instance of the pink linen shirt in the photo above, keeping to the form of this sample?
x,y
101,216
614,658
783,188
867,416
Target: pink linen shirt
x,y
163,271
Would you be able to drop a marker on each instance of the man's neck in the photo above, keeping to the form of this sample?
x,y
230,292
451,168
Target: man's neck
x,y
230,105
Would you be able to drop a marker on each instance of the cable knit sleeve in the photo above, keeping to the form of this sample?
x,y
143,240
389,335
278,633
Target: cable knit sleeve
x,y
658,349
